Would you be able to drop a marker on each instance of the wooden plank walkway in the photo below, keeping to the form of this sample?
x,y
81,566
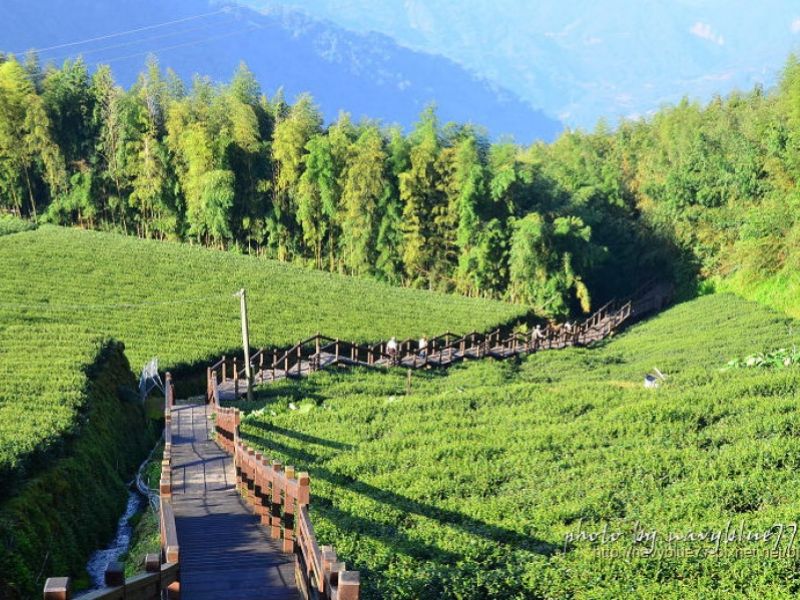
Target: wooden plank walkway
x,y
320,352
229,389
225,552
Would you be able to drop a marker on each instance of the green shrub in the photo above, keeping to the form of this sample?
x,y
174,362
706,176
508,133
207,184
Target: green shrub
x,y
71,507
11,224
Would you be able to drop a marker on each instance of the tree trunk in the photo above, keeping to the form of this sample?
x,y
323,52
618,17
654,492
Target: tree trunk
x,y
30,192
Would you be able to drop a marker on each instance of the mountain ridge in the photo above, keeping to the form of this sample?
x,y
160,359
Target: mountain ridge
x,y
367,75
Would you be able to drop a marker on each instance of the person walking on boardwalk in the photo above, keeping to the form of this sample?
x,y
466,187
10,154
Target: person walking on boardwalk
x,y
423,347
391,349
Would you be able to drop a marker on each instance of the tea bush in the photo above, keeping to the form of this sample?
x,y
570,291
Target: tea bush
x,y
478,483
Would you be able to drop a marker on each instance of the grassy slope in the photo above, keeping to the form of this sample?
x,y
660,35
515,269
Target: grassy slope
x,y
62,288
62,513
80,273
468,487
780,291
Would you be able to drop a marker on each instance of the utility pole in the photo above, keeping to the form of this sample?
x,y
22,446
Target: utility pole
x,y
246,342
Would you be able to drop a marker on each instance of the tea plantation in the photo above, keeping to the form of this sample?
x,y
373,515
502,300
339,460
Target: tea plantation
x,y
531,479
61,290
64,292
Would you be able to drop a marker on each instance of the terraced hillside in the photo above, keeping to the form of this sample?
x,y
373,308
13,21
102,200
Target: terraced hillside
x,y
479,482
62,288
64,291
176,301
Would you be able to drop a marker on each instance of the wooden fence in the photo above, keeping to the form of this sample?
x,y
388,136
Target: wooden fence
x,y
161,578
320,351
280,496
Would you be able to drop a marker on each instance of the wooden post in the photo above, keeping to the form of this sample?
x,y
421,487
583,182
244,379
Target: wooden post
x,y
170,391
328,558
275,520
349,585
337,350
152,565
165,483
274,360
303,489
58,588
266,491
224,368
114,575
246,341
299,359
288,515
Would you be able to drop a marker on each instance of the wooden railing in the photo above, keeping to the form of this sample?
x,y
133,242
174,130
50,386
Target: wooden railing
x,y
280,496
321,351
161,578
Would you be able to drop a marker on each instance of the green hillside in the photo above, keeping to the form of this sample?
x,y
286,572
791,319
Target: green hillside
x,y
54,513
176,302
780,291
63,291
62,288
470,486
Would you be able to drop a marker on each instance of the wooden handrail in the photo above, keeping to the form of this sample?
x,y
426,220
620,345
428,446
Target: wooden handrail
x,y
145,586
443,350
280,496
169,533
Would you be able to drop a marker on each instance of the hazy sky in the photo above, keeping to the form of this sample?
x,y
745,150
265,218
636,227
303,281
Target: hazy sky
x,y
583,59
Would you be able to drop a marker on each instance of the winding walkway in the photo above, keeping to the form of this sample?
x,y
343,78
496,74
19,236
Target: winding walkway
x,y
227,378
225,552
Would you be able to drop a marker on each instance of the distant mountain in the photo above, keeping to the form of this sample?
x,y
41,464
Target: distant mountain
x,y
584,59
366,74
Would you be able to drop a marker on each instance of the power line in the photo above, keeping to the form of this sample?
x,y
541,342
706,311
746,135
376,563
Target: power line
x,y
183,45
124,44
126,32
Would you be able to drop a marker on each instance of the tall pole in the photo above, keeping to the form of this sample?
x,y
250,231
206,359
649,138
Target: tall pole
x,y
246,342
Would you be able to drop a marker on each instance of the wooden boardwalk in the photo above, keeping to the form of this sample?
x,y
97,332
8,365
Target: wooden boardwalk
x,y
217,493
225,552
227,378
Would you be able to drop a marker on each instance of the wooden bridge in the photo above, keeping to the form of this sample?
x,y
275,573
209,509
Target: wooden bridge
x,y
225,551
227,377
234,523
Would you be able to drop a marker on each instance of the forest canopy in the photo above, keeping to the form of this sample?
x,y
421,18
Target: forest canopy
x,y
692,192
